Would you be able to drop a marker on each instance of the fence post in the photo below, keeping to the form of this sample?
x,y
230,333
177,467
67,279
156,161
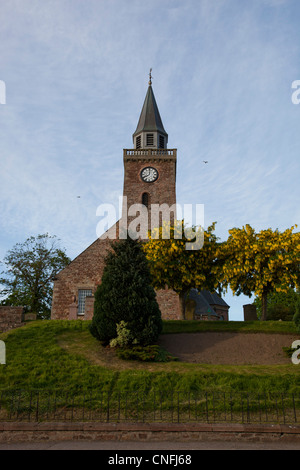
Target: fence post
x,y
107,411
259,407
242,407
30,402
72,413
283,410
37,407
214,413
143,406
294,407
231,407
161,405
266,410
248,409
18,405
11,405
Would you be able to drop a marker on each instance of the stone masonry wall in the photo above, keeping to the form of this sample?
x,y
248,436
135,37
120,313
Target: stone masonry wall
x,y
85,272
142,432
11,317
161,191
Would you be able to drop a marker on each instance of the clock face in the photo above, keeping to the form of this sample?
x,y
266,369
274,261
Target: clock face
x,y
149,174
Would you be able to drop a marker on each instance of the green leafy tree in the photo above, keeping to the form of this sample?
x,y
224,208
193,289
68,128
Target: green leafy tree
x,y
179,268
280,305
126,297
29,271
261,263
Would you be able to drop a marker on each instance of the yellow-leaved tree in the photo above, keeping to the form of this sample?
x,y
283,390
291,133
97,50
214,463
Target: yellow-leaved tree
x,y
178,263
260,263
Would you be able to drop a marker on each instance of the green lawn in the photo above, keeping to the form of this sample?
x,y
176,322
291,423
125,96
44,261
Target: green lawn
x,y
63,355
283,327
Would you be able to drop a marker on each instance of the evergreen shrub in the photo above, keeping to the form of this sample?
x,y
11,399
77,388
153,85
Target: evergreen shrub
x,y
126,295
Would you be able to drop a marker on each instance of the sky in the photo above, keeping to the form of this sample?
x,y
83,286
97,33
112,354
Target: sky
x,y
76,75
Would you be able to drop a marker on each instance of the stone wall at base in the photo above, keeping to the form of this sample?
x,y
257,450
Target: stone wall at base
x,y
29,432
11,317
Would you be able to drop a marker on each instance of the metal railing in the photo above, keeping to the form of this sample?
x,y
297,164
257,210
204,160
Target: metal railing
x,y
154,406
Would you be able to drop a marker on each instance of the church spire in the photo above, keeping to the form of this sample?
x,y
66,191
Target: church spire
x,y
150,132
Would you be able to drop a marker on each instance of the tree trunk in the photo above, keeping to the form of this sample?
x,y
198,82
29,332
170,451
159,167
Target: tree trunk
x,y
182,304
264,306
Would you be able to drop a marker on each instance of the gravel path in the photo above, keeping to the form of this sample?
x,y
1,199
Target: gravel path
x,y
228,348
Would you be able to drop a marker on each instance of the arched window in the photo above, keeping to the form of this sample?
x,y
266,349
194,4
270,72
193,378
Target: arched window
x,y
145,199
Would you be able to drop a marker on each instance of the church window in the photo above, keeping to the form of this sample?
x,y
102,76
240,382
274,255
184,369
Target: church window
x,y
145,199
138,142
150,140
82,294
161,142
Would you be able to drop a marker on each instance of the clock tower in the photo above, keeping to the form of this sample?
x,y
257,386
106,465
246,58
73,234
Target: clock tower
x,y
150,167
149,181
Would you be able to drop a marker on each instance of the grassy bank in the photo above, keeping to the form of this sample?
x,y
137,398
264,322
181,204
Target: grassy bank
x,y
284,327
64,355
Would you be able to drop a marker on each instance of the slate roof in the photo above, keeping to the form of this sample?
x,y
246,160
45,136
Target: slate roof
x,y
150,120
213,298
205,301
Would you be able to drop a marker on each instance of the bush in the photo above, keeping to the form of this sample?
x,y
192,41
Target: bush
x,y
151,353
126,295
124,336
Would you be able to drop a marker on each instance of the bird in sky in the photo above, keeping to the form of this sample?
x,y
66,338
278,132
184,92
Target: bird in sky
x,y
205,161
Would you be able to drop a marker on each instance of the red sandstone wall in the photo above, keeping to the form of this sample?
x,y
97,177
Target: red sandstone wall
x,y
11,317
85,272
161,191
169,305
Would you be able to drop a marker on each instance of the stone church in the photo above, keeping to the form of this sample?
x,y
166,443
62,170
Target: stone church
x,y
149,178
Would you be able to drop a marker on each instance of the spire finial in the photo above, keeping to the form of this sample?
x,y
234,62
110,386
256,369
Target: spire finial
x,y
150,77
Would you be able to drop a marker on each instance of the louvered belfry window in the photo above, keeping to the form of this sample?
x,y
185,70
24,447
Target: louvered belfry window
x,y
161,142
150,140
138,142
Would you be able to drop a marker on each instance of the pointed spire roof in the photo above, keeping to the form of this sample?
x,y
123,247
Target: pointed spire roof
x,y
150,120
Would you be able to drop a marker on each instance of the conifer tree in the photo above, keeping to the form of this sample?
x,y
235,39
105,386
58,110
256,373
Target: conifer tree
x,y
126,295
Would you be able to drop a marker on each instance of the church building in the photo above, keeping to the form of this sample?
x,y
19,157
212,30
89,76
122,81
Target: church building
x,y
149,178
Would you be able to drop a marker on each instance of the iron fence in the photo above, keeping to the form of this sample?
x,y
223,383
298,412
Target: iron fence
x,y
153,406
